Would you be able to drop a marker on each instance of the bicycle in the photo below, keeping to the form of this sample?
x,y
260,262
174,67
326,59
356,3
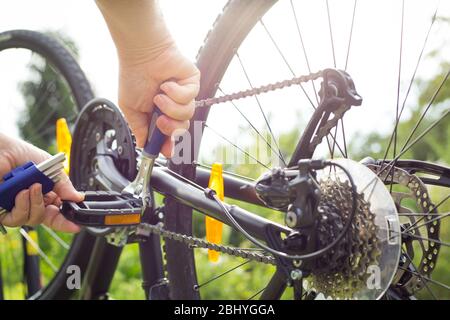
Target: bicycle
x,y
321,227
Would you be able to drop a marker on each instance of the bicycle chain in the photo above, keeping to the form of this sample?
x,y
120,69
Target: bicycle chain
x,y
146,229
259,90
322,132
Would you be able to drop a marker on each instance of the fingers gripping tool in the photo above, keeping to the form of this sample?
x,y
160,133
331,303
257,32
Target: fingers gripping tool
x,y
108,208
140,187
47,173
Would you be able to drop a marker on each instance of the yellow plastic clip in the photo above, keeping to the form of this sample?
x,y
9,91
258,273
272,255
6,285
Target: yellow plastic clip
x,y
213,226
30,249
63,141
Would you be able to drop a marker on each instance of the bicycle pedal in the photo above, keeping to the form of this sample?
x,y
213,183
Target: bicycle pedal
x,y
104,209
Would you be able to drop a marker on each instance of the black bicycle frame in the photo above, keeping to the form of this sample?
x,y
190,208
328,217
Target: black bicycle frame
x,y
192,194
170,185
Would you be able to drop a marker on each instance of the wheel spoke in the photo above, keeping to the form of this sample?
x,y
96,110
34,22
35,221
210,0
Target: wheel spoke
x,y
57,238
397,119
445,244
304,49
351,34
27,237
330,29
258,292
429,211
420,275
294,75
441,217
391,164
222,274
426,110
411,81
285,60
443,285
235,146
261,109
254,128
225,172
312,82
343,138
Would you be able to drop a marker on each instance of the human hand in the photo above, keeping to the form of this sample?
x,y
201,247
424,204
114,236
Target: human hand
x,y
144,84
31,206
150,62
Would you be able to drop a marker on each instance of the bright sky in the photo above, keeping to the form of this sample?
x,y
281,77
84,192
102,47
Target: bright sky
x,y
373,57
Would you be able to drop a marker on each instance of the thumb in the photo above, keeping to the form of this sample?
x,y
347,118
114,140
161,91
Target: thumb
x,y
66,191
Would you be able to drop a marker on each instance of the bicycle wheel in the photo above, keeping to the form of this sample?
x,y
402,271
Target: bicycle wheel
x,y
249,38
42,81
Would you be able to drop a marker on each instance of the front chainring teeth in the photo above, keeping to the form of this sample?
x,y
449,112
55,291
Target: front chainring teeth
x,y
101,121
430,249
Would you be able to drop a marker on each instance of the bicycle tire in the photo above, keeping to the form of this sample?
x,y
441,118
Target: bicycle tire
x,y
65,63
228,31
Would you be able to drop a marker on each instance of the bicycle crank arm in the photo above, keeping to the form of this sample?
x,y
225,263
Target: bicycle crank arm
x,y
140,187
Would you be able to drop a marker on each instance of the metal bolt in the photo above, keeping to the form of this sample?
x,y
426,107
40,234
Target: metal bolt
x,y
98,136
291,219
297,263
161,215
91,181
296,274
120,150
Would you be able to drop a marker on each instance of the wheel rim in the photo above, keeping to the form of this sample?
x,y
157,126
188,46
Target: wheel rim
x,y
37,89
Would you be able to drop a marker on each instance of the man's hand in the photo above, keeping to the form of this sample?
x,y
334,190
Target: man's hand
x,y
31,206
143,85
150,62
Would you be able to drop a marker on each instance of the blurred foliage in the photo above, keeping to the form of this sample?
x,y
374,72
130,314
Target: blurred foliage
x,y
433,146
47,98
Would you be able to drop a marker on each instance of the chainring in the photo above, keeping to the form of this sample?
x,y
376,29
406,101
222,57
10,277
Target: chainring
x,y
100,127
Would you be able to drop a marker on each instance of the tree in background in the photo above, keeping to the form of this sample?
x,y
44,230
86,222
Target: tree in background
x,y
47,97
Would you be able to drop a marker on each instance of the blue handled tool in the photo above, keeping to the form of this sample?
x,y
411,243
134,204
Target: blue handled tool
x,y
139,188
46,173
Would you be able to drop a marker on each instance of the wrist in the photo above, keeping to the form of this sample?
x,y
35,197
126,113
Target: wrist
x,y
17,152
144,52
137,28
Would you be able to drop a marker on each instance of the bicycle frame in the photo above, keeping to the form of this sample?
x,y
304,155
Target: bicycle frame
x,y
169,184
164,182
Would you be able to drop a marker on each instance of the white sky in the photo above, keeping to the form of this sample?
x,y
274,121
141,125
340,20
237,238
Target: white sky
x,y
373,58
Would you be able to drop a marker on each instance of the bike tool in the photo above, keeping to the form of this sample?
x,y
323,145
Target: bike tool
x,y
46,173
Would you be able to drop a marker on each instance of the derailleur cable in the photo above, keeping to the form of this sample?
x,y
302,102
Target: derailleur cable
x,y
212,195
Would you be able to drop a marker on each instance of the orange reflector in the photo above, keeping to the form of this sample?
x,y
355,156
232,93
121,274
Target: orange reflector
x,y
213,226
127,219
63,141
